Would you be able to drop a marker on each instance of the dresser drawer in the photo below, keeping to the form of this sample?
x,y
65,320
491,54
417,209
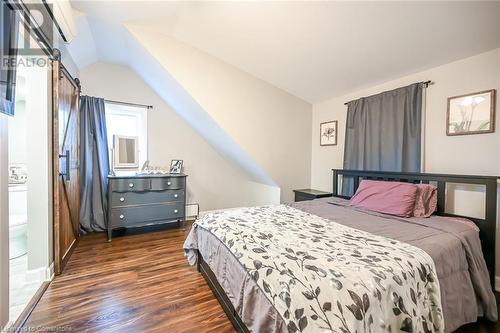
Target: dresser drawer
x,y
142,198
130,184
169,183
141,215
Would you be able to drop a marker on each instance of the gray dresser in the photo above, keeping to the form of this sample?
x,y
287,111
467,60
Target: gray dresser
x,y
143,200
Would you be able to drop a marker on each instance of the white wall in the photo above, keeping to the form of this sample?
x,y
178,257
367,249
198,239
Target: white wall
x,y
269,124
38,163
29,144
4,222
469,154
212,182
66,58
17,136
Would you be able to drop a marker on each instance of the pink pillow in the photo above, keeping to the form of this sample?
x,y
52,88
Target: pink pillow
x,y
426,200
393,198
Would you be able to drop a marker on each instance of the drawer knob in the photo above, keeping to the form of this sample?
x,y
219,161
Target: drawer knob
x,y
169,183
176,195
176,211
122,199
122,216
131,185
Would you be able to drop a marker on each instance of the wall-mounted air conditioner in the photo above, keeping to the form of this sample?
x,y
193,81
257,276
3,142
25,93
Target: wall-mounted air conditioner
x,y
57,11
64,18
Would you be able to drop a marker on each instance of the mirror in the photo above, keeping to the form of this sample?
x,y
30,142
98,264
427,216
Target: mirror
x,y
126,152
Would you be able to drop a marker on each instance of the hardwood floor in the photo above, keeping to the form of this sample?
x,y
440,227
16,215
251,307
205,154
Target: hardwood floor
x,y
139,283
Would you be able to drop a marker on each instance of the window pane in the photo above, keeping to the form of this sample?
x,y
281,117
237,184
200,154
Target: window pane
x,y
121,124
127,121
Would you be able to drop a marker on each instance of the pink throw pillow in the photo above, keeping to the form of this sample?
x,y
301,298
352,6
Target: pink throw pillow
x,y
426,200
393,198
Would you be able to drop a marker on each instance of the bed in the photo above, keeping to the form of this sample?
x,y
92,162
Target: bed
x,y
323,266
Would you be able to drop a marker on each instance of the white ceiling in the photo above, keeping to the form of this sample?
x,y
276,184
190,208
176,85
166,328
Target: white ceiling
x,y
317,50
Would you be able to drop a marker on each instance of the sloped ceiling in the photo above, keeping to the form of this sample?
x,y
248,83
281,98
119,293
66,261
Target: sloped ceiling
x,y
312,50
317,50
101,40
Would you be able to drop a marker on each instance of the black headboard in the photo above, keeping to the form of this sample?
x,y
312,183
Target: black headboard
x,y
487,226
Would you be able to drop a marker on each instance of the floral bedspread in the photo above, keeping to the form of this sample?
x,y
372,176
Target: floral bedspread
x,y
322,276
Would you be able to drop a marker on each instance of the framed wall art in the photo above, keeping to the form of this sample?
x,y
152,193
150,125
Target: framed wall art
x,y
328,133
471,113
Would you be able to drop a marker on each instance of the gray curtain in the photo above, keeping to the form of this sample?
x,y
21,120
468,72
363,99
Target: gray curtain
x,y
94,164
383,132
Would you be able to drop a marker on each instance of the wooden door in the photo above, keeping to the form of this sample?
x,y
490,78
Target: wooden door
x,y
66,136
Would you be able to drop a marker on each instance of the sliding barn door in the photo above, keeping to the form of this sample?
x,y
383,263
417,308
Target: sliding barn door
x,y
66,118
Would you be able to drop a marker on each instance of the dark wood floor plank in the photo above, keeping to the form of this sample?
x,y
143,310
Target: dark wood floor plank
x,y
139,283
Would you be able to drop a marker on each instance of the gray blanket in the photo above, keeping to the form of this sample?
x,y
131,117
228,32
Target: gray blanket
x,y
453,245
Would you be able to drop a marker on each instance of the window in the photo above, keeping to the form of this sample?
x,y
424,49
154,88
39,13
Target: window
x,y
128,121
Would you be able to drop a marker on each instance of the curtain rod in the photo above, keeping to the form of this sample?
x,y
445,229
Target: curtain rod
x,y
425,84
129,104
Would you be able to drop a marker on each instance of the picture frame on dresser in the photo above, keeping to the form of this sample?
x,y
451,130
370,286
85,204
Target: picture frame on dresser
x,y
146,200
176,166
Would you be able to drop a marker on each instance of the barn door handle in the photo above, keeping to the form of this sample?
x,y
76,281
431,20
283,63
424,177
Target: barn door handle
x,y
65,166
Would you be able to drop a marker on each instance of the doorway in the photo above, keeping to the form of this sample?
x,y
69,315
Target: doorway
x,y
29,185
36,193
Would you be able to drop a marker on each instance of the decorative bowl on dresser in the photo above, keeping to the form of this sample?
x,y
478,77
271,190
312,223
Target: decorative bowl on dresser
x,y
143,200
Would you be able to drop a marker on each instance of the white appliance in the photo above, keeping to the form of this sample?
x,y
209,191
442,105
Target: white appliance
x,y
64,16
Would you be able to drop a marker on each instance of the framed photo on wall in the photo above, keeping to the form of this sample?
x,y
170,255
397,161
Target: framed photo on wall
x,y
471,113
328,133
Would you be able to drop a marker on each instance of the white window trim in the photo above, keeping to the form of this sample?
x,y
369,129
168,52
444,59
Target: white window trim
x,y
142,112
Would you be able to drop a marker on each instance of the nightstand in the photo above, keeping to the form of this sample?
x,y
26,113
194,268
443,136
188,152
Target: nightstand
x,y
310,194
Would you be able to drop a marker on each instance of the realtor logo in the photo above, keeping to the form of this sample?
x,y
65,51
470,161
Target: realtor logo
x,y
25,30
36,27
